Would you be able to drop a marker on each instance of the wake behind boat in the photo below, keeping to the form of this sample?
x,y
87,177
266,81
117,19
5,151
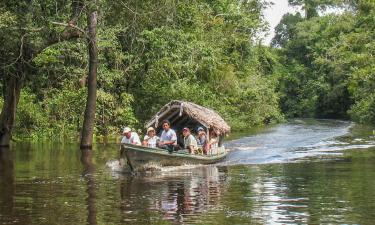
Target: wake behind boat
x,y
181,115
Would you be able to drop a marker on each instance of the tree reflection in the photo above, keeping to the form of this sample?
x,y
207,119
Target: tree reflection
x,y
88,174
7,186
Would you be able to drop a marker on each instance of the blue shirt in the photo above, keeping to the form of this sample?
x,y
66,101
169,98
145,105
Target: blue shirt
x,y
201,140
169,135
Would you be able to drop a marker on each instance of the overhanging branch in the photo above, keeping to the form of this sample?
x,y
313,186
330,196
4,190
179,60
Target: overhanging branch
x,y
67,25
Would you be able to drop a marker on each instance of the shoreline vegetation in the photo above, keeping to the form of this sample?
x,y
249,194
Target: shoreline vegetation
x,y
208,52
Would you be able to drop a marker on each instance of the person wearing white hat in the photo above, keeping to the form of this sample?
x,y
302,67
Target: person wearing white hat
x,y
130,137
150,140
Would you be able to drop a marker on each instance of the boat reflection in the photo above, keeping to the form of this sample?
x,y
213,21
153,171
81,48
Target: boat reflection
x,y
175,195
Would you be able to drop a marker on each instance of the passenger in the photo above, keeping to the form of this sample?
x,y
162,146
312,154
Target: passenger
x,y
168,138
190,142
150,140
130,137
213,142
202,139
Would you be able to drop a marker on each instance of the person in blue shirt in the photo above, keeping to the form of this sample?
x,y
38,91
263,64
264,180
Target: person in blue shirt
x,y
202,139
168,138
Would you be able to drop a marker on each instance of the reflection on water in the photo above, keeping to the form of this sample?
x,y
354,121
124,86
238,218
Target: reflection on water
x,y
7,186
303,172
88,174
176,196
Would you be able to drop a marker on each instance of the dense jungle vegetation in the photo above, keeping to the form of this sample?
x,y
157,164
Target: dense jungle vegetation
x,y
207,51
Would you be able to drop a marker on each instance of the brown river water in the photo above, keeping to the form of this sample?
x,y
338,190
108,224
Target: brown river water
x,y
301,172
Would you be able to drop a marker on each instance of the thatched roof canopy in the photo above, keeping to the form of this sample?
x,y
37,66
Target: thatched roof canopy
x,y
181,113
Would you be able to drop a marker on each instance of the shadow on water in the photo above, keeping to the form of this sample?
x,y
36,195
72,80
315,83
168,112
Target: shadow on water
x,y
88,174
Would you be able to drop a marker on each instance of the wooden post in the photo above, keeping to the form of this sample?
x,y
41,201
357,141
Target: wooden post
x,y
208,139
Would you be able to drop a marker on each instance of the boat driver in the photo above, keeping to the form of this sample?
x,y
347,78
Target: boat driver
x,y
168,138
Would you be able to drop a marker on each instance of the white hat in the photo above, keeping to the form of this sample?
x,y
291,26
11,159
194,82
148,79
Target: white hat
x,y
150,129
126,130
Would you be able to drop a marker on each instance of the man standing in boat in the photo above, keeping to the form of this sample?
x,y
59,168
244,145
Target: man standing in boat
x,y
168,138
130,137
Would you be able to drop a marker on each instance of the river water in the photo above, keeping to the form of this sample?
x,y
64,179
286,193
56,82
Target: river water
x,y
300,172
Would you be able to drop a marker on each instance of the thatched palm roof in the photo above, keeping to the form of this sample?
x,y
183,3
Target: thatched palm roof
x,y
180,113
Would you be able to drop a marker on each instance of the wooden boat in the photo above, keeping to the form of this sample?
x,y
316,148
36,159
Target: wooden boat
x,y
180,114
143,158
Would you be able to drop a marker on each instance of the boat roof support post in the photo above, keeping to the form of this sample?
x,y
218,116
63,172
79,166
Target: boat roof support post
x,y
172,117
184,120
208,139
157,117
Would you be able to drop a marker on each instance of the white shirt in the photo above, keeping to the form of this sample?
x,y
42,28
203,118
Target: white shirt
x,y
134,139
151,141
169,135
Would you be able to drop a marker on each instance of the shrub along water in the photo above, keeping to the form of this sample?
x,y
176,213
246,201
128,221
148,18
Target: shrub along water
x,y
150,52
329,63
207,52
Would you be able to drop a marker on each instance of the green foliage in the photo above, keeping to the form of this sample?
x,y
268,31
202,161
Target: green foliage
x,y
31,119
150,52
312,7
112,114
65,108
329,65
363,110
7,19
286,29
210,61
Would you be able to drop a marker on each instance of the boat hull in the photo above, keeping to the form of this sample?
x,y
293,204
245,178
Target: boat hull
x,y
139,157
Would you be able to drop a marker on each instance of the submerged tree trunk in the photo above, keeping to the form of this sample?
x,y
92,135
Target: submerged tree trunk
x,y
12,90
89,119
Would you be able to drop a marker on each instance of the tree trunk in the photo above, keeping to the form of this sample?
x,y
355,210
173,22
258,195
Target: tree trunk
x,y
12,90
311,9
89,119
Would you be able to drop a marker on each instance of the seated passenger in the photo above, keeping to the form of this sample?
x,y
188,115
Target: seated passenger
x,y
150,140
202,139
213,142
168,138
130,137
190,142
